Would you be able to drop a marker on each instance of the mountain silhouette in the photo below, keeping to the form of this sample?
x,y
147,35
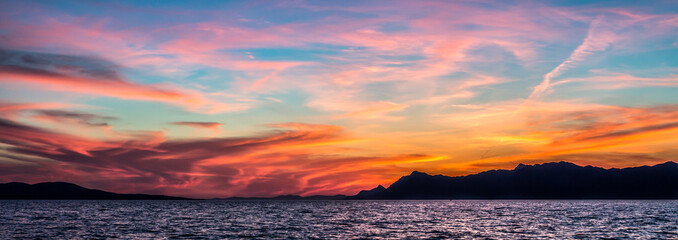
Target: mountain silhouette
x,y
370,194
64,190
559,180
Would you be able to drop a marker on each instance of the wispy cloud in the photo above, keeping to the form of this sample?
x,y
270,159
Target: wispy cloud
x,y
620,80
597,39
93,77
210,125
297,160
88,119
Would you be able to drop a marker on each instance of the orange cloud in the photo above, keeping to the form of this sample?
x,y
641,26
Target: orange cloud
x,y
545,131
266,165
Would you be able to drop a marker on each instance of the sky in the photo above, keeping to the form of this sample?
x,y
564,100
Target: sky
x,y
262,98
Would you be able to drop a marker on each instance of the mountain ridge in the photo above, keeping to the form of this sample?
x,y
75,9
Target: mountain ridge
x,y
554,180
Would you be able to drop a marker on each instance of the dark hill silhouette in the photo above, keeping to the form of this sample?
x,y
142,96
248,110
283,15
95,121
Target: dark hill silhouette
x,y
371,194
561,180
63,190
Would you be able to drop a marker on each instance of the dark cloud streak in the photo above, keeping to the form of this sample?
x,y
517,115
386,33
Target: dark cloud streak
x,y
47,64
88,119
633,131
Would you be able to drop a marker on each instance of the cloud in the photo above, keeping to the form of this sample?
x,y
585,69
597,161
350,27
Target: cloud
x,y
596,40
634,131
613,125
606,80
213,126
209,125
88,119
374,110
10,109
295,159
29,137
546,130
93,77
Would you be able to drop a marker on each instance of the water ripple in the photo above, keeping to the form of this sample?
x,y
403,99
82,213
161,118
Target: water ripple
x,y
338,219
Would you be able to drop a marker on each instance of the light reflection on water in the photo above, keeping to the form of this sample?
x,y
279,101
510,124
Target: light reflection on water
x,y
471,219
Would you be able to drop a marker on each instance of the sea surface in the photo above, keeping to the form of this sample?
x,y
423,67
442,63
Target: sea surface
x,y
214,219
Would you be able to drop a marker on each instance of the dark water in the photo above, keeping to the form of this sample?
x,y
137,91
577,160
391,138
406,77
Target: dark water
x,y
338,219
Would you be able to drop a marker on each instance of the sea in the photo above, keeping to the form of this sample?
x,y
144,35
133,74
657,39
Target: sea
x,y
338,219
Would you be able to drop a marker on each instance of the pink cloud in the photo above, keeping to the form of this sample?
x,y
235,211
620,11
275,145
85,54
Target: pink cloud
x,y
107,87
11,109
92,76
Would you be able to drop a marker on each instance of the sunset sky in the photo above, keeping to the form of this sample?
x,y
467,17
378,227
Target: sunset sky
x,y
263,98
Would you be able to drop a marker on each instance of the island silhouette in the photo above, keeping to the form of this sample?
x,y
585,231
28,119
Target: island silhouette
x,y
68,191
557,180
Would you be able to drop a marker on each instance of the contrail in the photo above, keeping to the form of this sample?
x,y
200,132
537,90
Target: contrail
x,y
594,42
